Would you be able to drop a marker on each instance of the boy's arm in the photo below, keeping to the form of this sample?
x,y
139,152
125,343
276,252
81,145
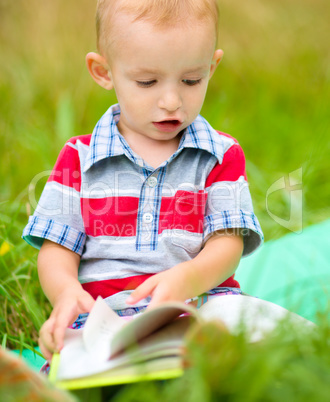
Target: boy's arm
x,y
213,265
58,275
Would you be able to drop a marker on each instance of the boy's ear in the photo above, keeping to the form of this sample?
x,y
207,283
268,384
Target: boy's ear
x,y
99,70
217,57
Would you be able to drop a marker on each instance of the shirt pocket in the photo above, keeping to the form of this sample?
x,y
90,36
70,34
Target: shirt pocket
x,y
188,220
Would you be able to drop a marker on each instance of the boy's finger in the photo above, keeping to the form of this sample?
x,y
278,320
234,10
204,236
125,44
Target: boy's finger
x,y
45,352
59,337
141,292
46,339
62,322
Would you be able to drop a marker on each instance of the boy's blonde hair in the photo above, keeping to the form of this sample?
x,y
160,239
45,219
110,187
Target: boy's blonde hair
x,y
159,12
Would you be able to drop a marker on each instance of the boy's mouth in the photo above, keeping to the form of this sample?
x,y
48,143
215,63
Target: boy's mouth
x,y
167,125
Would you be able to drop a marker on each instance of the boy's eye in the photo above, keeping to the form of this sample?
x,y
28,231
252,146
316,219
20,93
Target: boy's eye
x,y
191,82
146,84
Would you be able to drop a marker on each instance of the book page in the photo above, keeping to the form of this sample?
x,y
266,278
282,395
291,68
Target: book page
x,y
148,322
101,326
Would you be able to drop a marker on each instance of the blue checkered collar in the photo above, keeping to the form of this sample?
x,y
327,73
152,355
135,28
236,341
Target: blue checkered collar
x,y
106,140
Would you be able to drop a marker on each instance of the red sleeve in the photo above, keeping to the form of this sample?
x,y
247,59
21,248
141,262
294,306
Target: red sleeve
x,y
67,167
231,168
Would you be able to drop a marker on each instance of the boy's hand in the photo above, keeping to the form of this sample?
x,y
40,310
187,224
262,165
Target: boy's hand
x,y
215,263
175,284
68,305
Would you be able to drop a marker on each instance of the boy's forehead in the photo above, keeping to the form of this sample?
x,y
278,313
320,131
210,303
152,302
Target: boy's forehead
x,y
126,29
140,47
144,32
112,13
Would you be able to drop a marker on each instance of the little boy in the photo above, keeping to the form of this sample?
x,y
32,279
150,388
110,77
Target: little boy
x,y
154,205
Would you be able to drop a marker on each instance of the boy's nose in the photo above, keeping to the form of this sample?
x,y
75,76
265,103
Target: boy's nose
x,y
170,100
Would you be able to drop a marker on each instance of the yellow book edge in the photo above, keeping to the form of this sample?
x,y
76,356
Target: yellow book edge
x,y
54,368
107,380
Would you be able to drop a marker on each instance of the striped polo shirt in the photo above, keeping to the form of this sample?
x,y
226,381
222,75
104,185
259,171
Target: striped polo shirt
x,y
128,220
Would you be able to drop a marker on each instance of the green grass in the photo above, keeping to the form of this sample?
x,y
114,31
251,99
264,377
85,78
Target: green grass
x,y
23,306
271,92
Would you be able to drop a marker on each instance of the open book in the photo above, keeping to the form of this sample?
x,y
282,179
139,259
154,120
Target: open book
x,y
112,350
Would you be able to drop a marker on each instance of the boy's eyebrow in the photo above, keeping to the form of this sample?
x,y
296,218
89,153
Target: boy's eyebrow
x,y
147,70
198,69
143,70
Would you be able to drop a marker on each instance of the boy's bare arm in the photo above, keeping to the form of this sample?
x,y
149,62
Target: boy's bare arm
x,y
57,269
58,275
213,265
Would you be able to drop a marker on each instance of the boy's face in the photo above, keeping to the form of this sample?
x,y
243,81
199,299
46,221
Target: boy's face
x,y
160,75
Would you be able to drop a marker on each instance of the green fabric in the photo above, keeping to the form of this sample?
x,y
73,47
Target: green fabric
x,y
32,359
293,271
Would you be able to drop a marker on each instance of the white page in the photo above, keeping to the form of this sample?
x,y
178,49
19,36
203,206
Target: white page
x,y
75,361
101,326
148,322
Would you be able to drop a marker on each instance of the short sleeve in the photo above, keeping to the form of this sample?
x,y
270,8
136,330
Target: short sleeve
x,y
229,203
57,216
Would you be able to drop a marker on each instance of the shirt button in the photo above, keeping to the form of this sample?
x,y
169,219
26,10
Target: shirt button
x,y
152,181
147,218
